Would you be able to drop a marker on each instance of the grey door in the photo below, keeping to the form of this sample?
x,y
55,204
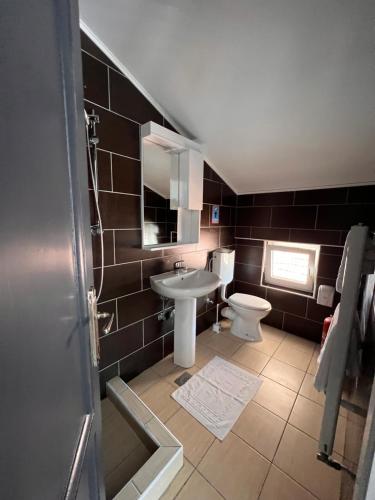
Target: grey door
x,y
49,402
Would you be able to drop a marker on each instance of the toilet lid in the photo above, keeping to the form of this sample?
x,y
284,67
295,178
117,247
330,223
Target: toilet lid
x,y
249,301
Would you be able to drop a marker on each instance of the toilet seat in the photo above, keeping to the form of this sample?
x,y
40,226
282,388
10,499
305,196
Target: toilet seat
x,y
245,301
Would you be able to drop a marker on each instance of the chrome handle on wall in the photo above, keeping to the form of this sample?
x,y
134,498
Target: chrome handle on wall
x,y
108,326
93,325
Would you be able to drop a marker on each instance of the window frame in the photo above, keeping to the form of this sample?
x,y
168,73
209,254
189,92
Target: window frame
x,y
313,251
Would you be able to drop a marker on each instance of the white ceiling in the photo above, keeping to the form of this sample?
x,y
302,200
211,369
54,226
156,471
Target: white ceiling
x,y
280,92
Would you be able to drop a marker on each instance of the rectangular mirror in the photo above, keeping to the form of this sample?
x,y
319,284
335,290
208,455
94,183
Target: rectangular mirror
x,y
172,182
160,221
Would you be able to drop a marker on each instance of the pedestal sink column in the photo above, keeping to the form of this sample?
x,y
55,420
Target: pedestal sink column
x,y
184,332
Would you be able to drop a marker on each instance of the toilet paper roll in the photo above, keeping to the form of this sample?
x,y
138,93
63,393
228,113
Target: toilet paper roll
x,y
325,295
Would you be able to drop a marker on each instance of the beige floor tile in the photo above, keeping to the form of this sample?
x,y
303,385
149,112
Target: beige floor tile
x,y
198,488
275,397
308,390
165,366
203,355
295,357
251,358
296,456
267,346
279,486
234,469
125,471
195,438
118,439
222,344
271,333
143,381
313,366
307,417
203,337
179,481
158,399
299,343
260,428
177,372
284,374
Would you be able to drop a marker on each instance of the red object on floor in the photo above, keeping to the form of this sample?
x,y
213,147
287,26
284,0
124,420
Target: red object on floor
x,y
326,325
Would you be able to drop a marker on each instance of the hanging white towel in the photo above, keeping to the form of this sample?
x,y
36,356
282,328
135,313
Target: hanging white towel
x,y
341,272
329,348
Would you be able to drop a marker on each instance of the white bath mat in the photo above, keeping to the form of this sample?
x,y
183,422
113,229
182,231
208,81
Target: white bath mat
x,y
217,395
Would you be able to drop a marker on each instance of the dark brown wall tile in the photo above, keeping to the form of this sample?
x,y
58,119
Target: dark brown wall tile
x,y
248,254
108,249
211,192
274,199
128,245
270,233
205,215
116,134
120,344
315,236
119,280
294,217
302,327
345,216
106,375
128,101
226,236
168,343
153,199
205,320
107,307
95,80
321,196
362,194
120,211
104,171
253,216
247,273
332,250
209,239
245,200
317,312
155,328
328,265
250,289
88,46
126,175
139,361
274,318
156,266
229,197
138,306
209,173
242,232
288,302
197,260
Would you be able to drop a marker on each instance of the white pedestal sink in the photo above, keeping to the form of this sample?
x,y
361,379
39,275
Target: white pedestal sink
x,y
185,288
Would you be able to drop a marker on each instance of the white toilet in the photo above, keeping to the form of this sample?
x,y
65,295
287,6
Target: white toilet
x,y
245,310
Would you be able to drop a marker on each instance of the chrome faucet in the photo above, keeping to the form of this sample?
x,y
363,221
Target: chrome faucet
x,y
180,267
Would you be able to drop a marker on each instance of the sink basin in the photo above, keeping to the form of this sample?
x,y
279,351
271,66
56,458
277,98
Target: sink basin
x,y
185,288
191,284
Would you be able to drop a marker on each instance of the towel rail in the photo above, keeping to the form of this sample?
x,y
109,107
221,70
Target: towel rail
x,y
354,268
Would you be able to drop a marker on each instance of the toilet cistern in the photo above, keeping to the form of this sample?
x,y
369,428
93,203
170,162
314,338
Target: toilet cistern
x,y
185,287
243,309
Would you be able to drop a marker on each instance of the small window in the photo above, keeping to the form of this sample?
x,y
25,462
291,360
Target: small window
x,y
290,266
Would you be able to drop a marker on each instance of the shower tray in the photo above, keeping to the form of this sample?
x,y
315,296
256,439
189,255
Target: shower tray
x,y
165,453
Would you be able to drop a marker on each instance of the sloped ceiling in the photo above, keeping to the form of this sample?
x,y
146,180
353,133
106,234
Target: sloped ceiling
x,y
280,92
